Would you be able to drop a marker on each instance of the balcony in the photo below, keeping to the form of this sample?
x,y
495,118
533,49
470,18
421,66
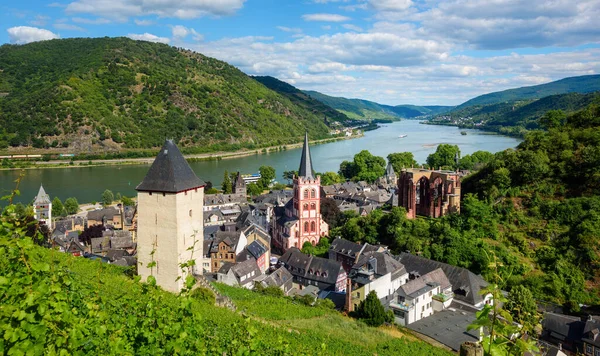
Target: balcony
x,y
402,306
443,297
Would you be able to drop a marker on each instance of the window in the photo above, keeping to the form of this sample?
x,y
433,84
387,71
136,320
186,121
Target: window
x,y
588,349
305,206
190,213
313,193
313,226
422,309
313,206
306,193
430,293
306,226
597,352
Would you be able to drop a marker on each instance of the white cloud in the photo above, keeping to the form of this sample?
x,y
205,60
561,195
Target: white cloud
x,y
184,9
289,29
96,21
350,27
143,22
325,17
390,5
26,34
68,27
180,32
148,37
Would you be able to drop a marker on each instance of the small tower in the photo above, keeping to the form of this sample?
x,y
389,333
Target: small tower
x,y
170,219
390,175
239,186
42,208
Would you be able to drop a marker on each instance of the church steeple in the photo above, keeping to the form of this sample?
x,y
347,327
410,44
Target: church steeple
x,y
306,168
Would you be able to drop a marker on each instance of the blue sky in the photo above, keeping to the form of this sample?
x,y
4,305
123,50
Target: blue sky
x,y
390,51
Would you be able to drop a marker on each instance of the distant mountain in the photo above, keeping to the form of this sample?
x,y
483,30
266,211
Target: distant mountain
x,y
96,94
516,116
582,84
302,99
365,109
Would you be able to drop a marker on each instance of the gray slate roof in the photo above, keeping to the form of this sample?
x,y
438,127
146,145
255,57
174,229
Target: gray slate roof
x,y
42,197
306,168
448,327
563,327
170,172
465,284
277,278
310,267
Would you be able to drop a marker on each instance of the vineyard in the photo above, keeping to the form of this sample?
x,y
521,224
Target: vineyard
x,y
53,303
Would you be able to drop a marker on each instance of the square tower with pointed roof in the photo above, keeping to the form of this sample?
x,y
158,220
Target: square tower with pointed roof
x,y
170,219
42,208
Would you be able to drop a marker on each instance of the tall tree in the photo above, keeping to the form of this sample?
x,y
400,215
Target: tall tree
x,y
330,212
289,175
107,198
371,311
57,207
444,156
401,160
329,178
267,174
71,206
365,167
226,186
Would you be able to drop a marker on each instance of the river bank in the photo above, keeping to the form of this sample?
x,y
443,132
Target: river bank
x,y
200,157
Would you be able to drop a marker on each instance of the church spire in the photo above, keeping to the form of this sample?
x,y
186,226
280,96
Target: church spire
x,y
306,168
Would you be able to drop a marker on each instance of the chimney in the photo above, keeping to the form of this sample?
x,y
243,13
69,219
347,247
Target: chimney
x,y
349,306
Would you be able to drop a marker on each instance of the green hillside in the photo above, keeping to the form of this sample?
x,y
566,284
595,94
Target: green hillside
x,y
53,303
515,117
355,108
582,84
116,93
301,99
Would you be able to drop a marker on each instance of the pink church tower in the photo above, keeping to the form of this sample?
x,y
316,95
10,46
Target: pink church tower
x,y
302,221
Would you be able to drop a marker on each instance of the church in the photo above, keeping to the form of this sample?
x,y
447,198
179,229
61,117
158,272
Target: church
x,y
300,221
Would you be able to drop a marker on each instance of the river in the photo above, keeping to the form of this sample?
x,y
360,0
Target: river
x,y
88,183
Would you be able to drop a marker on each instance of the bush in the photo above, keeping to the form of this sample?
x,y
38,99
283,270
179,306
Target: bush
x,y
371,311
204,295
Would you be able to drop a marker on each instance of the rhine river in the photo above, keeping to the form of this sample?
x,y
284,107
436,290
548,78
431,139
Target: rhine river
x,y
87,183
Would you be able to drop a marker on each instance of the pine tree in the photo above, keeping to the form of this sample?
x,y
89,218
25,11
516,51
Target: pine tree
x,y
226,186
371,311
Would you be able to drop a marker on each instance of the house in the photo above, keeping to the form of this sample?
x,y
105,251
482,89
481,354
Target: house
x,y
414,300
225,248
76,248
591,336
258,251
213,217
256,233
218,201
316,271
466,285
42,208
347,252
280,278
240,274
374,271
568,332
108,216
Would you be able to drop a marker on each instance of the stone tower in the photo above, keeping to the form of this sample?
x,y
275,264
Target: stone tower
x,y
42,208
239,186
390,175
307,199
170,219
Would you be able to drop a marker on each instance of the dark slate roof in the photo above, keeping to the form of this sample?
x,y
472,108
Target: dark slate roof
x,y
278,278
170,172
310,267
384,264
230,238
306,168
100,214
389,171
245,268
42,197
448,327
465,284
349,248
256,249
563,327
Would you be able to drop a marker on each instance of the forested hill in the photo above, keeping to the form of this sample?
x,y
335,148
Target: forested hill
x,y
365,109
115,93
302,99
581,84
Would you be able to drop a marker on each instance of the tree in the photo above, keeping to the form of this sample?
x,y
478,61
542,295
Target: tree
x,y
267,174
371,311
254,189
475,160
127,201
553,119
522,306
329,178
289,175
365,167
330,212
107,198
444,156
226,186
401,160
57,207
71,206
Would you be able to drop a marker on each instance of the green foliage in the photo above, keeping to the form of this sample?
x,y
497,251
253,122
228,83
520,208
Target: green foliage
x,y
58,209
321,249
330,212
475,161
365,167
371,311
133,92
204,295
522,306
211,191
107,198
444,156
289,175
226,186
127,201
267,174
401,160
329,178
254,189
72,206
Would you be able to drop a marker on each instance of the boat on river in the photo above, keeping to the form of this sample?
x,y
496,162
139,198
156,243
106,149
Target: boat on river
x,y
402,136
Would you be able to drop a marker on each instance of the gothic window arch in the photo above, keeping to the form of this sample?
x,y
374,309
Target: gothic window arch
x,y
313,226
313,206
305,206
313,193
306,193
306,226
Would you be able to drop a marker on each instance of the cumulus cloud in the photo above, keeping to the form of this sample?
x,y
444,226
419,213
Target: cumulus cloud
x,y
350,27
180,32
390,5
148,37
143,22
289,29
325,17
26,34
186,9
